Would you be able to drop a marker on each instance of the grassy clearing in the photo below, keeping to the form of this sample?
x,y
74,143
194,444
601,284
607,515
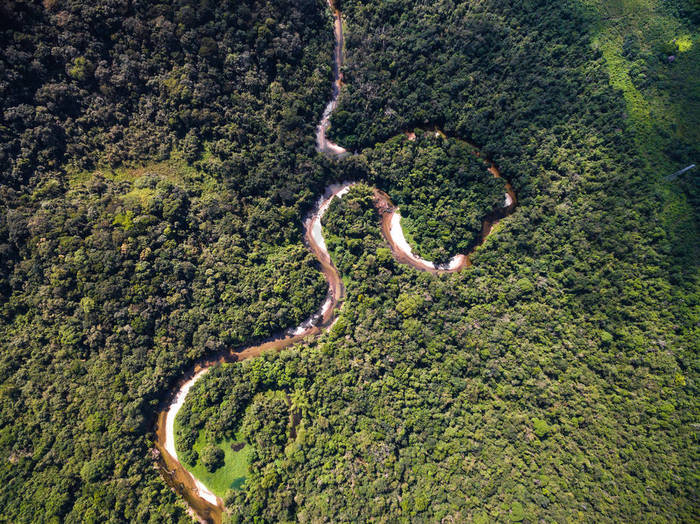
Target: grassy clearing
x,y
231,475
174,169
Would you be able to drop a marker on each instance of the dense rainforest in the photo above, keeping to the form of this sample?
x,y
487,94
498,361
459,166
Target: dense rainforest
x,y
157,161
156,157
443,191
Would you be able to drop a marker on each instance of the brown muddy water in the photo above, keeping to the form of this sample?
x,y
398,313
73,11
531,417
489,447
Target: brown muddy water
x,y
203,504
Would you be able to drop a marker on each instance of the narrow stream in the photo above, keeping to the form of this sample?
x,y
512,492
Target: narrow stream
x,y
204,505
323,145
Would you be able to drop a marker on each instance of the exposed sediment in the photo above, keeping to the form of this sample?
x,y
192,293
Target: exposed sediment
x,y
203,503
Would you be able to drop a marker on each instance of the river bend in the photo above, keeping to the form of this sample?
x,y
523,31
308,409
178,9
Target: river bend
x,y
203,504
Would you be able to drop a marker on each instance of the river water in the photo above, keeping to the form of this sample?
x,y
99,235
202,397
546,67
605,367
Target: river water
x,y
203,504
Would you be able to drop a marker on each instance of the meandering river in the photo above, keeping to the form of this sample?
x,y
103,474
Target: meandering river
x,y
204,504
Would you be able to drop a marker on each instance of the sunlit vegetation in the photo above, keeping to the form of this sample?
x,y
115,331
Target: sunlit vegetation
x,y
223,465
443,190
551,380
157,160
429,389
652,56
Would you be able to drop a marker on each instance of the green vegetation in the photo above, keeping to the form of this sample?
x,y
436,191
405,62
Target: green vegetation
x,y
222,463
212,457
150,213
545,382
229,468
442,189
157,159
652,56
428,389
254,408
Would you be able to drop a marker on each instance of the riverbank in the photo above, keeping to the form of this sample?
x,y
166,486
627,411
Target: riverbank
x,y
203,503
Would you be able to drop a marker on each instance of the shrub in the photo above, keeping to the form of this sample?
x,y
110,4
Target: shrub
x,y
81,69
540,426
517,513
212,457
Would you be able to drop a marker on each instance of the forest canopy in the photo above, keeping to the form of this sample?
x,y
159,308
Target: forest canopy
x,y
157,161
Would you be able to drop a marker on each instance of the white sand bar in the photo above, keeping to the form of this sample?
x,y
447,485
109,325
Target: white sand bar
x,y
204,492
399,240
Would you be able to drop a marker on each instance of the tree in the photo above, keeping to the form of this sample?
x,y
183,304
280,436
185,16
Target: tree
x,y
212,457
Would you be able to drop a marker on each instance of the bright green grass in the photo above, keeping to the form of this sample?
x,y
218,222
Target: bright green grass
x,y
231,475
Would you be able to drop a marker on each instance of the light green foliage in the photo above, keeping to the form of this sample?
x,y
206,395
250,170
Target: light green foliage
x,y
81,69
525,285
555,379
409,305
124,220
540,426
517,513
652,56
637,37
229,467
